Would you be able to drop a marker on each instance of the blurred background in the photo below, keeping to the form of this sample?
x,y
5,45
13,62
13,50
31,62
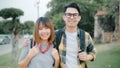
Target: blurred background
x,y
101,18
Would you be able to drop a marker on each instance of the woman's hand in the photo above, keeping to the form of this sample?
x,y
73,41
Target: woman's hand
x,y
56,57
26,42
33,51
55,54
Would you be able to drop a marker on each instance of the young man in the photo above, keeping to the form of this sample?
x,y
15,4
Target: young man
x,y
72,53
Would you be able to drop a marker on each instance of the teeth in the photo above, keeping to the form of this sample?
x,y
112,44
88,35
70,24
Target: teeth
x,y
44,35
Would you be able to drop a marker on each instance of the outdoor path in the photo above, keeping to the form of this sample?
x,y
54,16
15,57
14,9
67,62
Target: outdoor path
x,y
8,47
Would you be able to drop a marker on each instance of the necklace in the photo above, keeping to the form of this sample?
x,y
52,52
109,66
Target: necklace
x,y
45,50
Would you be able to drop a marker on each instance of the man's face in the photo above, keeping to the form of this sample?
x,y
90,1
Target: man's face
x,y
71,17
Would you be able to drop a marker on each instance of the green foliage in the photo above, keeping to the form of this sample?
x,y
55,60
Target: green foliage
x,y
60,23
88,10
107,22
13,26
11,12
28,27
112,6
1,28
8,25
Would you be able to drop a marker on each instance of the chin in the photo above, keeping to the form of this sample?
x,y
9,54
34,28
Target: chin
x,y
45,38
71,26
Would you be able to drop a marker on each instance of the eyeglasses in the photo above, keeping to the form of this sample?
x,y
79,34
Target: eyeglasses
x,y
69,15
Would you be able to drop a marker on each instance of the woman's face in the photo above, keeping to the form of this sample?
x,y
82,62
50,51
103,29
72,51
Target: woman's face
x,y
44,32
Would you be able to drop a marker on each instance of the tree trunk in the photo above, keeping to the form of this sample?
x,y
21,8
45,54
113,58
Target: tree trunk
x,y
97,30
119,24
107,37
14,47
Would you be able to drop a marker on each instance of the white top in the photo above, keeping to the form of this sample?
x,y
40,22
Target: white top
x,y
71,50
40,60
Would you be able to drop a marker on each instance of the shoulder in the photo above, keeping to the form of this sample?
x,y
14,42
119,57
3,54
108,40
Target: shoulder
x,y
59,31
84,33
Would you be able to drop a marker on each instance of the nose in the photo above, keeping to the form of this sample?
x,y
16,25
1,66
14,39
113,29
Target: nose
x,y
44,30
72,16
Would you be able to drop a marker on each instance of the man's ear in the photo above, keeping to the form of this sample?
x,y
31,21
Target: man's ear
x,y
79,18
63,17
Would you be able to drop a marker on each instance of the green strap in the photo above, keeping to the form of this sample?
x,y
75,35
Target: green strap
x,y
82,40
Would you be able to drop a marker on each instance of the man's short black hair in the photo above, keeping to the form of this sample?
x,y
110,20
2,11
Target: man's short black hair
x,y
72,5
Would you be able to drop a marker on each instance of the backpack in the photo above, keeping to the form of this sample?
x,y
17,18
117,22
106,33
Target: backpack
x,y
31,43
81,35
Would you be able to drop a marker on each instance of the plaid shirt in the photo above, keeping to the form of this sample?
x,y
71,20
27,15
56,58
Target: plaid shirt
x,y
88,48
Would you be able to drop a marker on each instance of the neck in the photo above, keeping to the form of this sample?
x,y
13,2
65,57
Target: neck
x,y
71,29
43,42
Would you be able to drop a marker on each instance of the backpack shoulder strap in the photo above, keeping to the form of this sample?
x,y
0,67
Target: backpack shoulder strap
x,y
58,38
82,39
32,43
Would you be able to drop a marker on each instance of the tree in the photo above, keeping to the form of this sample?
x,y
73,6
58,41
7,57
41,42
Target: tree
x,y
28,27
6,26
15,26
88,10
1,27
109,20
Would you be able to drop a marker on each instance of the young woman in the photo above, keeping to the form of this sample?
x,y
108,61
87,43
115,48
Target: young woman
x,y
42,55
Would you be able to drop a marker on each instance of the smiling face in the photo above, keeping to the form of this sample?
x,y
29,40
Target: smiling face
x,y
71,17
44,32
